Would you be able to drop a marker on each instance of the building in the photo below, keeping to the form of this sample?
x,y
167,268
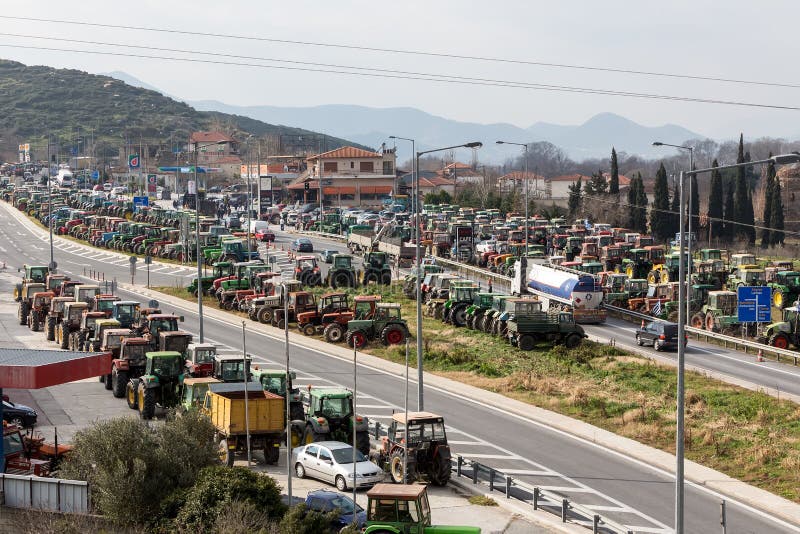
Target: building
x,y
216,150
429,182
559,185
461,173
348,176
517,180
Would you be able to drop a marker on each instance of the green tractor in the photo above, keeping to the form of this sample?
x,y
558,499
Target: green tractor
x,y
404,508
221,269
376,269
785,333
481,304
341,273
159,386
719,314
275,381
785,288
461,296
386,324
745,276
329,417
711,272
637,265
34,274
410,280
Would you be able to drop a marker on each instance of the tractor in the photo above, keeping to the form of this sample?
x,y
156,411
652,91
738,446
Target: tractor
x,y
95,337
376,269
200,359
719,314
739,261
481,304
386,324
427,451
335,324
158,386
637,265
104,304
404,508
329,417
25,299
70,322
34,274
306,271
274,381
461,297
332,307
711,272
129,363
111,342
299,302
785,288
126,312
785,333
341,273
78,338
667,271
745,276
40,305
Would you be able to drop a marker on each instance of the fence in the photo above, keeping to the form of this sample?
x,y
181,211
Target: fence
x,y
53,494
537,498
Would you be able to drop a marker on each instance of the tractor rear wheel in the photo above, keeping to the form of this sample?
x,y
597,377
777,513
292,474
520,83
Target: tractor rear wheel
x,y
131,395
458,316
334,333
526,342
63,336
108,381
778,299
226,454
50,329
698,320
265,315
309,436
386,278
23,313
309,329
272,453
341,279
35,322
280,324
147,402
439,471
118,381
779,341
393,335
370,276
356,339
313,279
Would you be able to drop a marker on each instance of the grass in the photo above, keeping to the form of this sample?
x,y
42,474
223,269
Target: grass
x,y
748,435
482,500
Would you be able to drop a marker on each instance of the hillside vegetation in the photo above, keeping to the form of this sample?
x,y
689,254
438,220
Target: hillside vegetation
x,y
38,99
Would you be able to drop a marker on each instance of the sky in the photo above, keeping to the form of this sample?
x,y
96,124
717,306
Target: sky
x,y
735,39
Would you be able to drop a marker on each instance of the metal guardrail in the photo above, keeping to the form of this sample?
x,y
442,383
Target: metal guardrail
x,y
745,345
535,496
474,271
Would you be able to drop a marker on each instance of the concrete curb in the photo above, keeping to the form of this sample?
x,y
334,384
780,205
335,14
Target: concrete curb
x,y
700,475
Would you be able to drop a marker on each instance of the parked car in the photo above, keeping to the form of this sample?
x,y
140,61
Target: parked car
x,y
232,221
119,190
660,335
327,255
19,414
332,461
302,244
326,501
265,234
107,187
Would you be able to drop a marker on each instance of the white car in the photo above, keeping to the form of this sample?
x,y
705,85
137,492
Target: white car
x,y
332,461
107,187
119,190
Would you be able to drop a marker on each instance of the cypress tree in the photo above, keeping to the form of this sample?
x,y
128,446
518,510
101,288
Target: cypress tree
x,y
729,229
776,214
769,185
613,182
715,202
575,201
742,203
675,213
633,206
659,215
641,202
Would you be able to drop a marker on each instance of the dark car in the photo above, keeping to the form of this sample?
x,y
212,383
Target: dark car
x,y
19,414
326,501
233,221
660,335
302,245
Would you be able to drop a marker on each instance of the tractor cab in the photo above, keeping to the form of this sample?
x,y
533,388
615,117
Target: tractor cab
x,y
126,312
403,508
232,368
200,359
104,304
36,273
364,306
342,261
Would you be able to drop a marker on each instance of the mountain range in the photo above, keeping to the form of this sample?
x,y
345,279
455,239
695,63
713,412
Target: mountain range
x,y
373,126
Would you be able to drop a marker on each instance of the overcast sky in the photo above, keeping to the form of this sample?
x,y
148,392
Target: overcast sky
x,y
733,39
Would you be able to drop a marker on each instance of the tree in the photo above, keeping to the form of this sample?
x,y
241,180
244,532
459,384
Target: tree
x,y
597,184
675,210
776,214
715,202
633,206
575,199
641,202
742,203
132,467
729,229
769,186
300,520
438,197
659,215
613,181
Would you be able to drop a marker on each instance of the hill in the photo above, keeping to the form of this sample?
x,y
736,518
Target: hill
x,y
72,103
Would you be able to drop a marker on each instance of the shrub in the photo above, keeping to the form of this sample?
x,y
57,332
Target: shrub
x,y
299,520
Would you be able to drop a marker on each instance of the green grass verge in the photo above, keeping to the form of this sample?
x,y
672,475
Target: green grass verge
x,y
748,435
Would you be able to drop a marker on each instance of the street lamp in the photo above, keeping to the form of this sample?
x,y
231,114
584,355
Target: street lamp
x,y
782,159
689,230
420,396
524,181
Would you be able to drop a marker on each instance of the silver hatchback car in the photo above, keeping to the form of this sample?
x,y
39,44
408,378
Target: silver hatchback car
x,y
332,461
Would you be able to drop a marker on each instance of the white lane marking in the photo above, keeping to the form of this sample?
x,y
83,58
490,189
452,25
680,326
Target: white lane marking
x,y
532,472
600,507
566,489
457,442
365,406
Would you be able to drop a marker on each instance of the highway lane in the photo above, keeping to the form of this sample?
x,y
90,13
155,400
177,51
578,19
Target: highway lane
x,y
626,490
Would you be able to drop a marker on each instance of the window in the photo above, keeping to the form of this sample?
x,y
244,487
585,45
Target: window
x,y
366,166
325,455
330,166
347,196
388,168
352,164
312,450
383,510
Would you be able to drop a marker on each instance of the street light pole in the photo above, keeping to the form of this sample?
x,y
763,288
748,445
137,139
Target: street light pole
x,y
524,181
420,394
199,284
682,309
689,230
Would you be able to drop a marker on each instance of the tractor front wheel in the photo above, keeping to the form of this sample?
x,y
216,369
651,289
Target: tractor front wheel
x,y
226,454
131,396
147,402
356,339
459,316
334,333
396,467
118,381
309,329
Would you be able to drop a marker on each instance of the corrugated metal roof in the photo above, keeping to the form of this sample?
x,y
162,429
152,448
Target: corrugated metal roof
x,y
36,357
35,368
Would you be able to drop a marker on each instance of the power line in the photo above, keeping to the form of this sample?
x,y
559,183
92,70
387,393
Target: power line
x,y
443,55
375,73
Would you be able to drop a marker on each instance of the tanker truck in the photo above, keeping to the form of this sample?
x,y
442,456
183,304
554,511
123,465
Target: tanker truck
x,y
561,287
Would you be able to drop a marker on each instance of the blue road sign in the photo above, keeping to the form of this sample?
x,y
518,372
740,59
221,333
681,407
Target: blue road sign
x,y
755,304
95,175
141,201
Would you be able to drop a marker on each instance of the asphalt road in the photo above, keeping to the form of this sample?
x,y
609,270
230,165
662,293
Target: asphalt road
x,y
617,486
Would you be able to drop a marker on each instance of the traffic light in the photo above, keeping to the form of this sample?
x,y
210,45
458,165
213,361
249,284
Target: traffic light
x,y
306,186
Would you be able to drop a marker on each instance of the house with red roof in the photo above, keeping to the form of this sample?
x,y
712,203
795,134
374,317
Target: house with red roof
x,y
215,149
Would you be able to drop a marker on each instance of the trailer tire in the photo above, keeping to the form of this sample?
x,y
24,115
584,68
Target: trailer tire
x,y
526,342
572,341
